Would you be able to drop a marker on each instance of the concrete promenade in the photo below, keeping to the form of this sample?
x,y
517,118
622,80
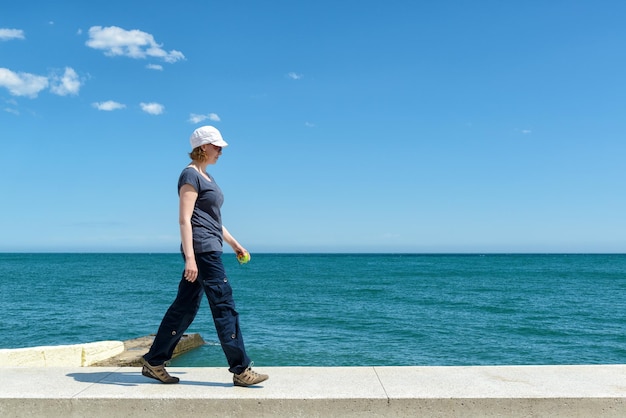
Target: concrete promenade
x,y
476,391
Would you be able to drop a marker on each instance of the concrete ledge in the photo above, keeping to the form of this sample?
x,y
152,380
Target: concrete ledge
x,y
510,391
76,355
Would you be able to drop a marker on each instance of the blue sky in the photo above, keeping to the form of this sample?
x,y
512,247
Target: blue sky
x,y
354,126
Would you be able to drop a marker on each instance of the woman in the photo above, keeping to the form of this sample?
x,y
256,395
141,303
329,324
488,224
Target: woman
x,y
202,234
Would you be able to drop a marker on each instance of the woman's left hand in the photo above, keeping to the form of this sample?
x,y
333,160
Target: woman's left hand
x,y
239,250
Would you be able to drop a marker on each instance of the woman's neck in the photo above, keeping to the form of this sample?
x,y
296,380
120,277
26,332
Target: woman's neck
x,y
198,166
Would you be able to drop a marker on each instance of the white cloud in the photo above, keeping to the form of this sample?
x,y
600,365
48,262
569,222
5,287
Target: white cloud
x,y
154,67
109,105
22,84
11,110
152,108
29,85
526,131
294,76
195,118
8,34
129,43
309,125
68,83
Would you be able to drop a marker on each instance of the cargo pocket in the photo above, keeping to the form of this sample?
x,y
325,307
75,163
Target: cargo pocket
x,y
219,292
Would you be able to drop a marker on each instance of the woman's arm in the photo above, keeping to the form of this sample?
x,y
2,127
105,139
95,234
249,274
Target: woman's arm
x,y
187,201
238,248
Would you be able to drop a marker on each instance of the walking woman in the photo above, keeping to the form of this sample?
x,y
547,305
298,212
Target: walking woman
x,y
202,235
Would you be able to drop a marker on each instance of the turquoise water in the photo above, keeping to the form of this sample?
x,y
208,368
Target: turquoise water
x,y
337,309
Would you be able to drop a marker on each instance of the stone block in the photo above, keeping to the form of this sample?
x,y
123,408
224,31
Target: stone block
x,y
98,351
22,357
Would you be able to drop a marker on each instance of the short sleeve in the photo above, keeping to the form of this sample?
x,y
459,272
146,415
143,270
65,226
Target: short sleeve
x,y
191,177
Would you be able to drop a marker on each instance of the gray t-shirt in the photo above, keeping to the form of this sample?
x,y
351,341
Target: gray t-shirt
x,y
206,220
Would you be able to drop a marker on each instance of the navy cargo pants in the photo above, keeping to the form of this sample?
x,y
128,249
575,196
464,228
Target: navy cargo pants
x,y
211,281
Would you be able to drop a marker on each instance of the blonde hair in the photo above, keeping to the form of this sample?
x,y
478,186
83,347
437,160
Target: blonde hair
x,y
198,154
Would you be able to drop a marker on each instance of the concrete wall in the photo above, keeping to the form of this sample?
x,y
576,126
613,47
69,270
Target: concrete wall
x,y
479,391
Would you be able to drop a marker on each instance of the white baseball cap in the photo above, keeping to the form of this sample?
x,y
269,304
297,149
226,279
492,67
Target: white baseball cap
x,y
207,135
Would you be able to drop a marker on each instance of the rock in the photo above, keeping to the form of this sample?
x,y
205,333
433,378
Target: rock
x,y
135,348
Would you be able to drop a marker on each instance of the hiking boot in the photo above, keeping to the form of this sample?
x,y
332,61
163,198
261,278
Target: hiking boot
x,y
249,378
157,372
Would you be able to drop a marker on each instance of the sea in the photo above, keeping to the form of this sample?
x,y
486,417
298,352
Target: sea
x,y
337,309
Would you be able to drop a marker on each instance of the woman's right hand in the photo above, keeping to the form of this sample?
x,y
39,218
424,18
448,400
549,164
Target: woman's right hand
x,y
191,271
